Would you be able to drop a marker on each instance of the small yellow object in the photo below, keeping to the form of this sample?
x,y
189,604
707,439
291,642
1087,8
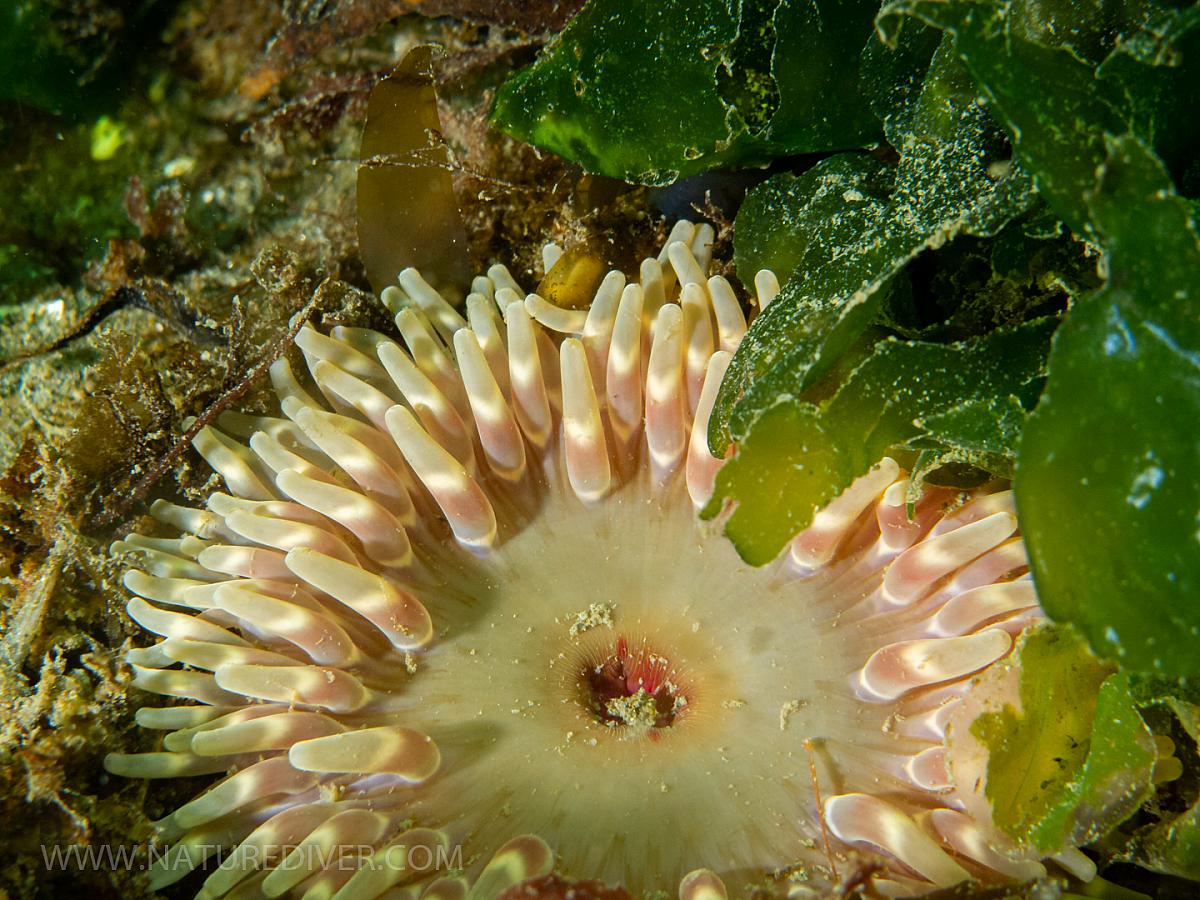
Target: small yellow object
x,y
107,138
572,280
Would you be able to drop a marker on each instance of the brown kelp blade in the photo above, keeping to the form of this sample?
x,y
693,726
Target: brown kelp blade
x,y
407,212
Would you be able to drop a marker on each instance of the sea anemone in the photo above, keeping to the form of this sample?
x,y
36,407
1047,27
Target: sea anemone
x,y
465,599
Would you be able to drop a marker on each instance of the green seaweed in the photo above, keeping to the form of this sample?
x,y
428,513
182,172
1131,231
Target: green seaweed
x,y
799,455
1076,758
652,91
1106,481
945,183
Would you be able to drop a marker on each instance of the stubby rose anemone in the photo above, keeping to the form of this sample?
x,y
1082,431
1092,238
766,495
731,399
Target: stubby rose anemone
x,y
464,597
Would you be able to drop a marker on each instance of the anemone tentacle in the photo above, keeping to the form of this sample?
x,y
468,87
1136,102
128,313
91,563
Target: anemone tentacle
x,y
457,594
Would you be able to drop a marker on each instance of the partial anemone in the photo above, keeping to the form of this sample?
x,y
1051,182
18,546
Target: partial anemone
x,y
459,595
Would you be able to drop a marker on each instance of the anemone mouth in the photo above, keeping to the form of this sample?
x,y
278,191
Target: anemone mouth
x,y
466,598
637,689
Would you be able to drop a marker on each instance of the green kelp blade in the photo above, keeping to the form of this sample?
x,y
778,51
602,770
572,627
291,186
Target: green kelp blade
x,y
849,225
1107,481
650,91
1076,759
799,456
